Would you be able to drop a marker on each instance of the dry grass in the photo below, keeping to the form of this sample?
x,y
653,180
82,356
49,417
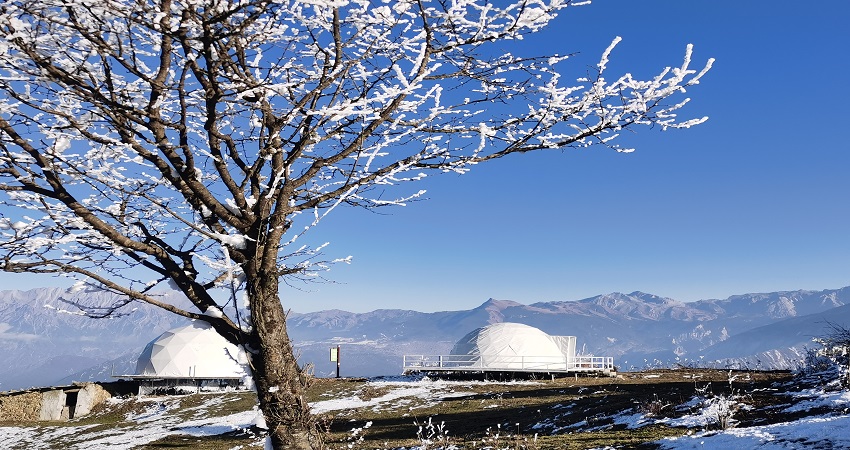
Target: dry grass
x,y
241,440
565,413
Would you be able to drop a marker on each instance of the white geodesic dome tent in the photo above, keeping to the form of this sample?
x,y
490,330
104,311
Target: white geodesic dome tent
x,y
195,351
514,346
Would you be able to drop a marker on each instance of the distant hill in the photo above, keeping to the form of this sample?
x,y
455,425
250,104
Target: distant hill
x,y
42,345
638,329
43,340
778,345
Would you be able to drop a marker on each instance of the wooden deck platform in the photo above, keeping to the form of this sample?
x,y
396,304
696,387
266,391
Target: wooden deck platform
x,y
530,364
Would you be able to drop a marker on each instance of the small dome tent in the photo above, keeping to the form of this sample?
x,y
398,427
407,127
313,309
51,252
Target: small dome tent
x,y
514,346
194,351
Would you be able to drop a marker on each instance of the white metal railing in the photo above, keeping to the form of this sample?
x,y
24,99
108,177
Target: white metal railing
x,y
509,363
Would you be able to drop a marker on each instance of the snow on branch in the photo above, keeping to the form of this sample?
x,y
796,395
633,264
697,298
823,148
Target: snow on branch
x,y
138,143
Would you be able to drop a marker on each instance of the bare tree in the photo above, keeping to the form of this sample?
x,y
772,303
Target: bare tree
x,y
194,142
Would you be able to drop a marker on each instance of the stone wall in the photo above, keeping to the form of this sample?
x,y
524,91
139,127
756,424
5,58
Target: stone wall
x,y
61,403
22,407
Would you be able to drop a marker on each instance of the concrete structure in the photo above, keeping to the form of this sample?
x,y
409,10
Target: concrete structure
x,y
510,347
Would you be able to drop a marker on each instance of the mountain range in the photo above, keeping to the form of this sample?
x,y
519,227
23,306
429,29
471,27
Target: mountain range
x,y
46,342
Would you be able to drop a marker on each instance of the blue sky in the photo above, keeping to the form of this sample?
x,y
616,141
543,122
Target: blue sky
x,y
754,200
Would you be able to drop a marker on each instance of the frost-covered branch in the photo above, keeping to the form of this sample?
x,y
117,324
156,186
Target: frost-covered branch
x,y
143,142
155,133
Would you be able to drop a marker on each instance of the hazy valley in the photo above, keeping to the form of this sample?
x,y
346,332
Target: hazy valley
x,y
44,343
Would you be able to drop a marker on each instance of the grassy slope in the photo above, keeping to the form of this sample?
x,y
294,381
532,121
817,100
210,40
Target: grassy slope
x,y
563,413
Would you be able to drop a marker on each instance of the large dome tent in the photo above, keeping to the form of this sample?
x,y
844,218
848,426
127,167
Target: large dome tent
x,y
514,346
192,357
193,351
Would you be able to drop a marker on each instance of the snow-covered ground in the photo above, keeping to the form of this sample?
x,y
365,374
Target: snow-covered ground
x,y
830,430
154,421
822,431
158,417
825,423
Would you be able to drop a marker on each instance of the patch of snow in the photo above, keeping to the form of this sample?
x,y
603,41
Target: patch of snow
x,y
154,412
218,425
821,399
813,432
20,437
79,286
424,390
633,420
213,311
713,411
236,241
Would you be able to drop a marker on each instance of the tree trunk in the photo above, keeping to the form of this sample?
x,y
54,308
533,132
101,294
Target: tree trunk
x,y
279,380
